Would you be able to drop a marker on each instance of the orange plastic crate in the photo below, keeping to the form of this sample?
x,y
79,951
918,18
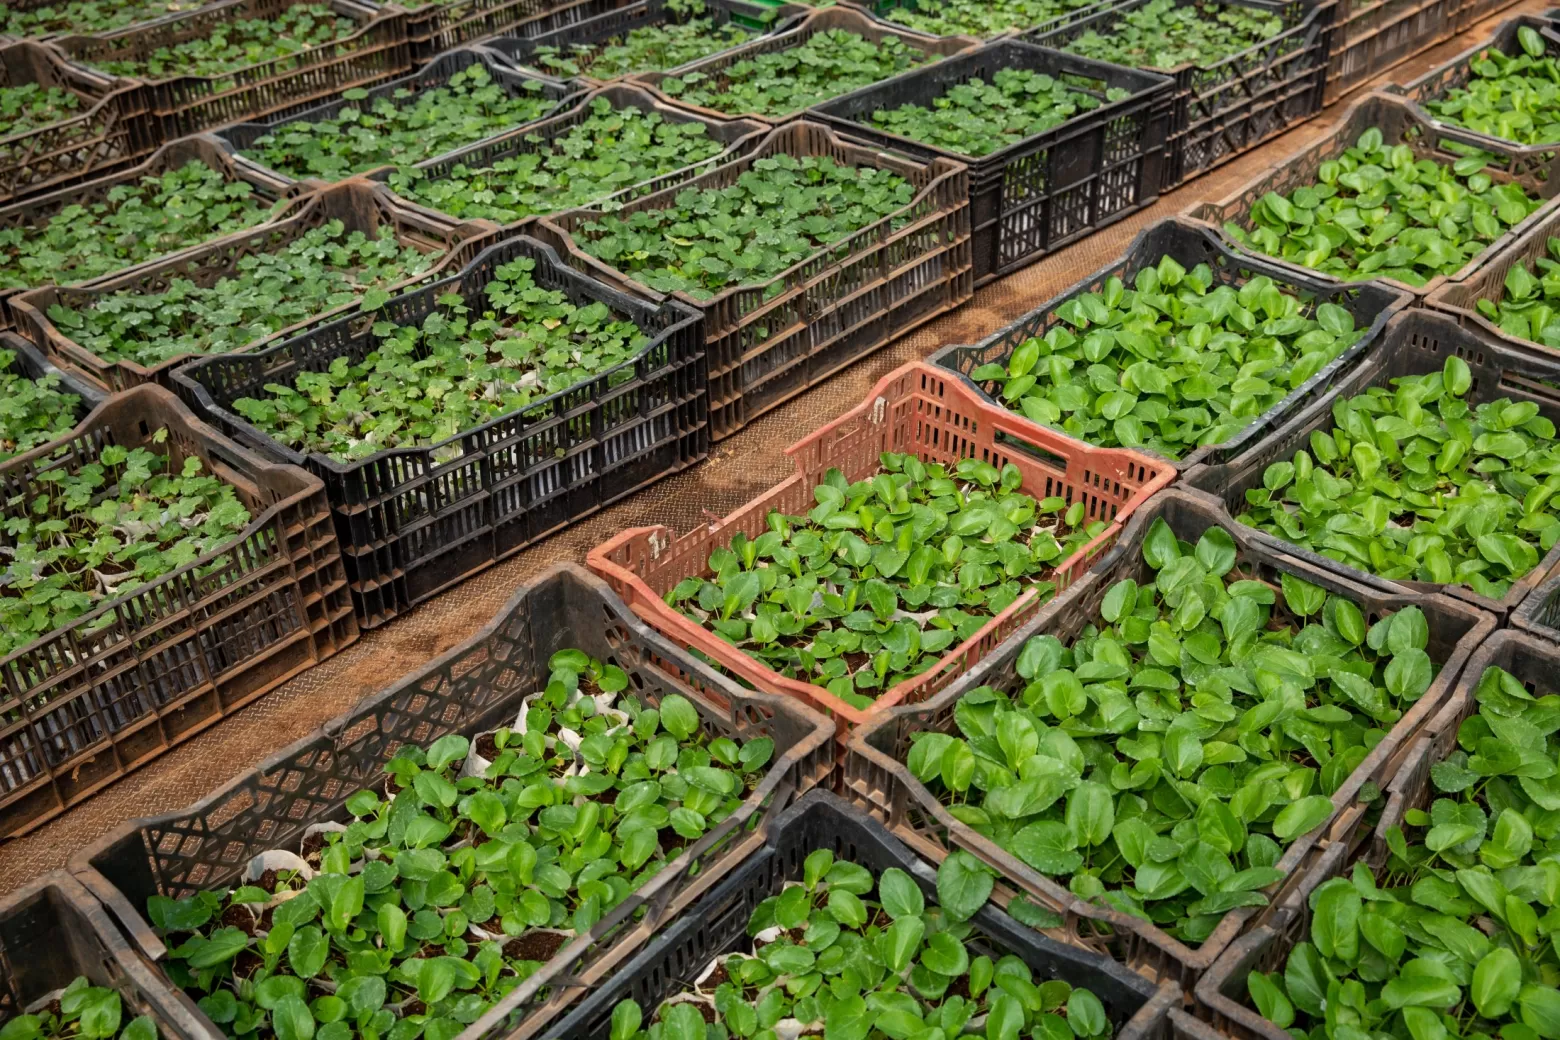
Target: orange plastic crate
x,y
920,410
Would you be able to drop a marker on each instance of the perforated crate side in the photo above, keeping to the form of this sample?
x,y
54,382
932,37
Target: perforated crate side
x,y
1416,342
767,341
1039,194
474,687
360,206
874,774
434,27
1232,105
885,11
1191,244
1472,12
562,457
1368,39
1399,123
94,699
1136,1008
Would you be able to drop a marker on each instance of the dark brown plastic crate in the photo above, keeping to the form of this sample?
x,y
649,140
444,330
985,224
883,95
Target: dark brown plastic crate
x,y
435,27
1039,194
1370,38
1416,342
1191,244
1231,106
768,342
360,205
1221,994
93,700
475,687
1472,12
108,132
848,19
884,11
413,521
874,773
27,213
189,104
1399,123
740,136
242,136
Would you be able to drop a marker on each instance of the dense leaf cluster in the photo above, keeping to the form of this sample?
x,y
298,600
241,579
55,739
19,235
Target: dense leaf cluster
x,y
478,863
608,151
688,36
105,530
133,222
779,212
82,1011
1511,96
30,106
460,369
1454,936
977,17
32,411
884,576
1173,363
829,63
1164,34
88,16
406,128
981,117
1162,762
1377,211
324,268
1528,306
1414,484
834,956
239,44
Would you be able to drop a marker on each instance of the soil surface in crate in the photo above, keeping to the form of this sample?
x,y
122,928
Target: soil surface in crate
x,y
738,469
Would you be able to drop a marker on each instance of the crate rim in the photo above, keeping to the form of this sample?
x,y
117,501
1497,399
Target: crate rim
x,y
106,87
71,383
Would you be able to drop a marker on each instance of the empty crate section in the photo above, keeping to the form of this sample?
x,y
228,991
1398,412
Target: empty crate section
x,y
836,50
67,123
334,250
539,423
1244,70
563,631
466,96
645,36
244,59
801,299
1281,214
1182,386
1095,154
1368,38
1081,496
157,630
616,141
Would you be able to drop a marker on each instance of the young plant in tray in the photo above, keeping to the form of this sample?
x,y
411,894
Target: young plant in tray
x,y
1529,308
109,528
404,129
1162,762
689,36
1454,937
324,268
885,575
239,44
843,954
1172,363
1414,484
29,107
88,16
981,116
80,1011
779,212
1378,211
1165,35
467,874
32,411
1515,97
830,63
977,17
460,369
610,150
131,223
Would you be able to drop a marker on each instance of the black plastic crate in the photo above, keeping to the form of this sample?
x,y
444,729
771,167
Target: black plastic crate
x,y
1137,1008
1045,191
638,15
1416,342
242,136
30,362
1371,303
411,525
1235,104
1368,38
474,688
434,27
